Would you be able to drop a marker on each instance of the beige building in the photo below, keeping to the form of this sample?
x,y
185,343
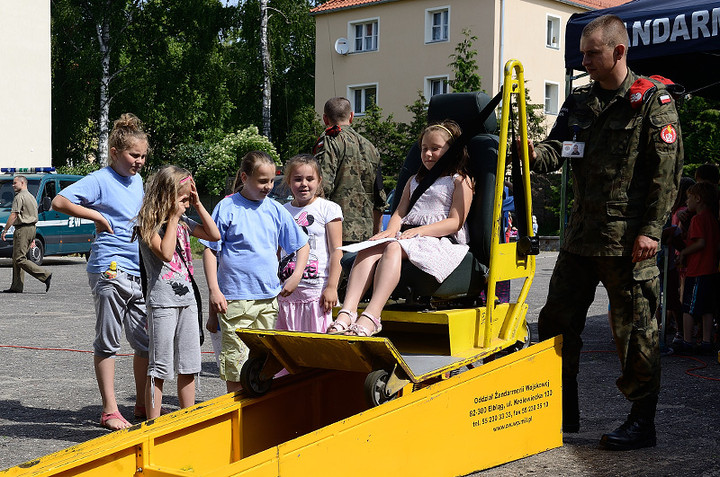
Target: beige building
x,y
389,50
25,85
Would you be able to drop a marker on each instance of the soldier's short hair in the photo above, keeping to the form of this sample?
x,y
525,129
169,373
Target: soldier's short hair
x,y
22,179
337,109
706,192
613,30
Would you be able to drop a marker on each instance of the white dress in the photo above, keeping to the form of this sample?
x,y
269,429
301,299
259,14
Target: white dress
x,y
433,255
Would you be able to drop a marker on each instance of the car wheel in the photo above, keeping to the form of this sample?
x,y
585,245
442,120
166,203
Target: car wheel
x,y
36,252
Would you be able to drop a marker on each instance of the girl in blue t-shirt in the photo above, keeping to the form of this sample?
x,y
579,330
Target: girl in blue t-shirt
x,y
242,267
164,233
111,197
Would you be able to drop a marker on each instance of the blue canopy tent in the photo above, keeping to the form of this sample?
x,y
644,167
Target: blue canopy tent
x,y
678,39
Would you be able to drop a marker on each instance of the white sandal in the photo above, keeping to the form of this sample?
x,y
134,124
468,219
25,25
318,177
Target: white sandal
x,y
338,327
362,331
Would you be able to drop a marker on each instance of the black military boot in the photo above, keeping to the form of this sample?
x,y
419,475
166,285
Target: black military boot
x,y
637,431
570,406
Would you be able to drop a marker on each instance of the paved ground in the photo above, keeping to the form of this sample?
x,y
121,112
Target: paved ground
x,y
49,400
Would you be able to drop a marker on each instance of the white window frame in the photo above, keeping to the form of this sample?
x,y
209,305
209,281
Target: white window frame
x,y
429,25
429,81
556,22
353,38
351,89
555,100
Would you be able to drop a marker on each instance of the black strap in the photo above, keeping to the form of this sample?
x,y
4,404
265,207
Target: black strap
x,y
143,274
457,146
518,184
196,290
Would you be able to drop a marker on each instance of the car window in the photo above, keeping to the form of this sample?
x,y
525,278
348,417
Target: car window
x,y
7,193
49,190
280,191
66,183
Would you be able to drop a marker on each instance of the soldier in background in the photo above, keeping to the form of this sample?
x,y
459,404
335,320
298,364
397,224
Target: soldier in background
x,y
24,216
626,170
351,174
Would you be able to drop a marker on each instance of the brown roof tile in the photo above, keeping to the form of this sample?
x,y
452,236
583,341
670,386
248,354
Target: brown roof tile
x,y
599,4
342,4
332,5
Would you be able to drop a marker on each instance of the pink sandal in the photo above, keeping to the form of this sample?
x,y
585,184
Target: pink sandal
x,y
362,331
338,327
108,416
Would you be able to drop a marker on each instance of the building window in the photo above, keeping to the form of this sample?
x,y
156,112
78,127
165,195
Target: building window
x,y
437,24
362,97
365,35
551,97
552,34
436,85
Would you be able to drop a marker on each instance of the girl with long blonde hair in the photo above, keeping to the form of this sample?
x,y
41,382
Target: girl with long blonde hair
x,y
164,231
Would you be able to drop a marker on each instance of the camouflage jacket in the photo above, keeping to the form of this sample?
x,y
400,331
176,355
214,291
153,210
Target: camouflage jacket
x,y
627,180
350,166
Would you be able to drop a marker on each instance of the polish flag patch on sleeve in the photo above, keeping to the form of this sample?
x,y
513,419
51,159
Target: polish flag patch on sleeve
x,y
668,134
664,99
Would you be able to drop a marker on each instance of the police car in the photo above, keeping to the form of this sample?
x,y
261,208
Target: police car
x,y
57,233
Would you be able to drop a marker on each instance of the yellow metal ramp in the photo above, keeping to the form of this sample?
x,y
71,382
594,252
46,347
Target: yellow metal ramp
x,y
317,423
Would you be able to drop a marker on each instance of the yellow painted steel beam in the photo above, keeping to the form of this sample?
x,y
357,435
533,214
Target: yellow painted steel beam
x,y
316,423
505,263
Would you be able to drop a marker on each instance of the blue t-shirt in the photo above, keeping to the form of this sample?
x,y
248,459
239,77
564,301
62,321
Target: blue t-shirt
x,y
251,232
118,199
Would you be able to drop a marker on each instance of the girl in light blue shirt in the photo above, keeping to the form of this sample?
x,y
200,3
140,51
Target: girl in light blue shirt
x,y
242,267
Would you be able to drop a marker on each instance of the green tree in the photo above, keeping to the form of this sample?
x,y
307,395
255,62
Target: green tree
x,y
535,118
412,130
165,65
76,74
304,132
387,136
291,37
700,122
223,158
176,80
464,65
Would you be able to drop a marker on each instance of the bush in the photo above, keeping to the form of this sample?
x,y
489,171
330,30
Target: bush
x,y
82,169
223,159
191,156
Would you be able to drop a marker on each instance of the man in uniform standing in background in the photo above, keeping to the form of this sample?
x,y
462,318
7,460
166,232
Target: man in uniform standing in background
x,y
24,216
351,174
622,138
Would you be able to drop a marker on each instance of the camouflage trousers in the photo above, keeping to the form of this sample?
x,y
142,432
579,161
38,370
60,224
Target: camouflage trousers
x,y
633,291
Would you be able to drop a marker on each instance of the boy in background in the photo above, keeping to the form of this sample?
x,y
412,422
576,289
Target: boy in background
x,y
701,258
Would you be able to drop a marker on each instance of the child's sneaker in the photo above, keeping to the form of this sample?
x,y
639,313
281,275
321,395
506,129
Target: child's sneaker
x,y
677,340
705,348
683,347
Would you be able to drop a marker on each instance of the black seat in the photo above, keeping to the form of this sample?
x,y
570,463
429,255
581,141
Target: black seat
x,y
469,278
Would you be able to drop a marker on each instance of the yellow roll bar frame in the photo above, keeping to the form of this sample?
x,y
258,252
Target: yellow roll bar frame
x,y
505,262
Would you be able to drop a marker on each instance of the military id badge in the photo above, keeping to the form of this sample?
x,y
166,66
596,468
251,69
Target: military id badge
x,y
572,149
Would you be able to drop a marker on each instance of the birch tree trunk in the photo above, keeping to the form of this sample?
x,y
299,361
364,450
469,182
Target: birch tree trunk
x,y
103,32
265,55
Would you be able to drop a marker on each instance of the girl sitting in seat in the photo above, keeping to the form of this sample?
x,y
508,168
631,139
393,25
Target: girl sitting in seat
x,y
432,234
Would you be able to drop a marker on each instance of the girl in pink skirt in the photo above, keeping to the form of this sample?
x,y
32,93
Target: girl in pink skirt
x,y
309,307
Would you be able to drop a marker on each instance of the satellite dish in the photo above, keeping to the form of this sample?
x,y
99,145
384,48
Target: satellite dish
x,y
341,46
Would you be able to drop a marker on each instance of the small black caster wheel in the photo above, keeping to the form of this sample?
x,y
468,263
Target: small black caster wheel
x,y
250,377
376,388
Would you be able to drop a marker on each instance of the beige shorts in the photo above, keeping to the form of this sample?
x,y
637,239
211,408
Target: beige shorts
x,y
255,314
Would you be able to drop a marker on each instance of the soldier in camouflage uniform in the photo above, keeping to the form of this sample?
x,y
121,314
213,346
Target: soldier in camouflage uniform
x,y
350,167
625,181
